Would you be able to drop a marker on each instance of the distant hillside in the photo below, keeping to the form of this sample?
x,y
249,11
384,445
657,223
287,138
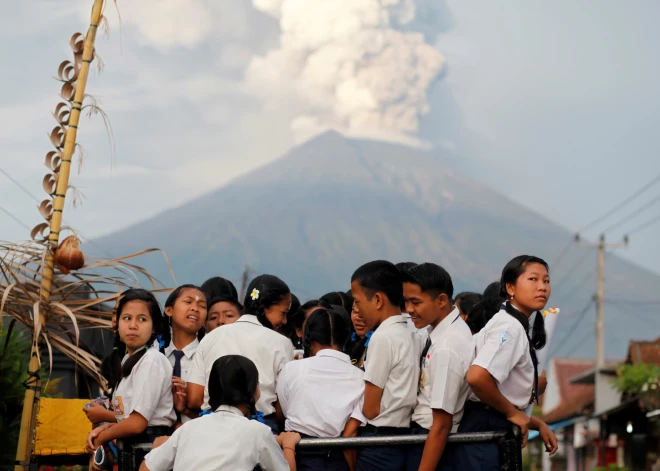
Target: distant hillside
x,y
317,213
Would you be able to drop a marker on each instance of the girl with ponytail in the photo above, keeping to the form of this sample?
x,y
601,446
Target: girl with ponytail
x,y
142,400
504,375
244,444
320,395
254,335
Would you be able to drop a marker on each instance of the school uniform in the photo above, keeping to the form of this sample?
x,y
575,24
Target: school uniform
x,y
181,361
445,360
503,349
419,335
268,350
318,396
148,391
225,439
392,365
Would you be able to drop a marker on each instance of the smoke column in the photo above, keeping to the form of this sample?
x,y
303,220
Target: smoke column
x,y
358,66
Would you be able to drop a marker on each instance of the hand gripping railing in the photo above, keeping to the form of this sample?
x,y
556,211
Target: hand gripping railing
x,y
509,444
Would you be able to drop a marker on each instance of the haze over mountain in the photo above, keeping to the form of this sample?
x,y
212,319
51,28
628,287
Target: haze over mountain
x,y
333,203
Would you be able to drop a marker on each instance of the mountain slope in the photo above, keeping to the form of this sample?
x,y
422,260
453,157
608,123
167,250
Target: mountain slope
x,y
317,213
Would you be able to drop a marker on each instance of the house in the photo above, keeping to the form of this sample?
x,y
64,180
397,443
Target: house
x,y
564,405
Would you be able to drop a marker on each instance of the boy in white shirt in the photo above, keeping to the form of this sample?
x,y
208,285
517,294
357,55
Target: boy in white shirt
x,y
391,369
447,355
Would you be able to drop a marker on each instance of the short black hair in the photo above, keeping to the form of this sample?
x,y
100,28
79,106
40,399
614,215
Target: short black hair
x,y
466,300
431,278
339,298
380,276
224,298
218,286
233,381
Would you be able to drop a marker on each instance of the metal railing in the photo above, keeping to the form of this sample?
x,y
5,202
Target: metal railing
x,y
509,444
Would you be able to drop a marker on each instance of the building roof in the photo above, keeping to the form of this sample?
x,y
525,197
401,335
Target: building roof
x,y
644,351
574,398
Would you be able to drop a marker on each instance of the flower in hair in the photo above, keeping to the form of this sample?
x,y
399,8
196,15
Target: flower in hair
x,y
255,294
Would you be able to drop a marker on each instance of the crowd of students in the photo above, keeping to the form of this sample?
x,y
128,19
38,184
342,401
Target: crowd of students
x,y
220,385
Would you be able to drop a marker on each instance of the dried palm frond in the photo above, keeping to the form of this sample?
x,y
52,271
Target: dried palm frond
x,y
80,300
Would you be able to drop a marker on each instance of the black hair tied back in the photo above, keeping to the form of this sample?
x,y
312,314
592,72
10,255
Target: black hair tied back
x,y
233,382
510,274
271,290
326,327
160,326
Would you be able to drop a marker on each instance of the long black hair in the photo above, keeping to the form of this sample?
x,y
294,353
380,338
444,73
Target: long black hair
x,y
326,327
271,291
510,274
490,304
289,329
160,326
233,381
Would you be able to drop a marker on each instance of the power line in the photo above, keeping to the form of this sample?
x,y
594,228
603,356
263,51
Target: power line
x,y
643,226
567,274
621,205
570,331
578,285
15,218
630,302
633,214
27,192
578,344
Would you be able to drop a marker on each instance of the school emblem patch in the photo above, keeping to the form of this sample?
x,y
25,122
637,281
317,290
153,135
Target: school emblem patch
x,y
118,406
505,336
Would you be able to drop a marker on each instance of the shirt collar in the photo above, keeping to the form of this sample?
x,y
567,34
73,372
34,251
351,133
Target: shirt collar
x,y
232,409
442,327
333,354
399,318
249,318
188,350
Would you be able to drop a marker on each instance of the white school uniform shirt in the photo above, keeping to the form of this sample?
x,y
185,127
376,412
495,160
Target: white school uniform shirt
x,y
147,390
419,335
442,383
186,364
225,439
502,348
268,350
319,394
393,366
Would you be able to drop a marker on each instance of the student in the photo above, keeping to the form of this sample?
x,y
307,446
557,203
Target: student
x,y
359,342
504,374
289,329
185,309
142,401
447,355
226,439
223,310
420,335
320,395
300,317
392,367
490,303
338,298
465,301
253,335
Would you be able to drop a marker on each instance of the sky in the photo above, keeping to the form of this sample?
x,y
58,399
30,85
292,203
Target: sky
x,y
554,104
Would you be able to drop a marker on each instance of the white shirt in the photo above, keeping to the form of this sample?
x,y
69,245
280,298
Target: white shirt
x,y
223,440
503,349
186,363
393,366
268,350
319,394
419,335
147,390
442,384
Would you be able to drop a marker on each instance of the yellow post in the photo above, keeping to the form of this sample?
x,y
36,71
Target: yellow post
x,y
33,386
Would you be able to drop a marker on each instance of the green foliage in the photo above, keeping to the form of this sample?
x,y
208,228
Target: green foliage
x,y
636,379
13,373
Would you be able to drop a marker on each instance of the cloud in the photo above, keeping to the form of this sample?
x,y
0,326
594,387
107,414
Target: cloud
x,y
347,65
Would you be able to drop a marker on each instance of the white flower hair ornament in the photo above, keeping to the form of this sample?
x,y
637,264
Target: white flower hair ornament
x,y
255,294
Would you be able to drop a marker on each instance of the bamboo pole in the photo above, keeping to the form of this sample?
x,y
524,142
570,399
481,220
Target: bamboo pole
x,y
33,384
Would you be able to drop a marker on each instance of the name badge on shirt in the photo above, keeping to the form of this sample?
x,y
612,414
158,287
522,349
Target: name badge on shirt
x,y
118,406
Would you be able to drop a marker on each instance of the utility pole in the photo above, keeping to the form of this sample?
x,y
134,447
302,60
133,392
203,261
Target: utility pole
x,y
601,245
600,325
244,281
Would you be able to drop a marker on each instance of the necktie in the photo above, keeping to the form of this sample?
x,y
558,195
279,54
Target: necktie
x,y
178,354
535,362
427,346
